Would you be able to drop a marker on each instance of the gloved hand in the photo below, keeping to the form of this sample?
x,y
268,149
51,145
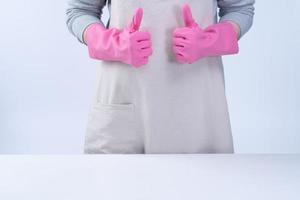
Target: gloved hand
x,y
191,43
129,45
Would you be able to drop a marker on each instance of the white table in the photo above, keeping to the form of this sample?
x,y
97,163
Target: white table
x,y
150,177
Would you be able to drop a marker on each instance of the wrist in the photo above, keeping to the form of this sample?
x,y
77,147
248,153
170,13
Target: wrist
x,y
220,39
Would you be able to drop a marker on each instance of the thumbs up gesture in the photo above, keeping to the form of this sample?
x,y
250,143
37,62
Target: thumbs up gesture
x,y
130,45
191,43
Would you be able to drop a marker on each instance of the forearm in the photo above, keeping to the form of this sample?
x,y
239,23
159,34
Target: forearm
x,y
84,40
236,27
239,12
81,13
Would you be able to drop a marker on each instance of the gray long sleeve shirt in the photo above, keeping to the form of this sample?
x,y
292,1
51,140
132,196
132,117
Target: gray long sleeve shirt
x,y
81,13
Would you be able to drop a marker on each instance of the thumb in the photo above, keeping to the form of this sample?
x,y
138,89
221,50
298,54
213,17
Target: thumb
x,y
188,17
136,20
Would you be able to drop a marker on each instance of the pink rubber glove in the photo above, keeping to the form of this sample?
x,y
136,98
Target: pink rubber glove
x,y
191,43
129,45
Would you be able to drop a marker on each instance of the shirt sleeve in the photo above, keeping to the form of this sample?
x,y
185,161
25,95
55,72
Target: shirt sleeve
x,y
81,13
239,11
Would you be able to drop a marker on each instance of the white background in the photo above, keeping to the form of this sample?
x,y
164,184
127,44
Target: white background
x,y
47,81
149,177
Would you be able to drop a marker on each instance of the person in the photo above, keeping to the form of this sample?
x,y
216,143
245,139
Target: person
x,y
160,80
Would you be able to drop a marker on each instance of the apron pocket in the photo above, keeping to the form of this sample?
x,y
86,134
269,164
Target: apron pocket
x,y
127,106
113,128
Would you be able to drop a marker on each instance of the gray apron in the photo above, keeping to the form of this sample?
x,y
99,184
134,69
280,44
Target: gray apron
x,y
164,106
